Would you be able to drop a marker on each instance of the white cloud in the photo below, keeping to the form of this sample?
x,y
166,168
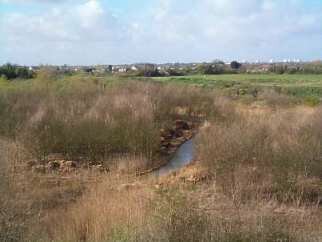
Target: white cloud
x,y
74,34
171,30
89,13
245,29
33,1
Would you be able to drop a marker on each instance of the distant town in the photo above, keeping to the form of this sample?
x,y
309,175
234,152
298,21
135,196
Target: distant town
x,y
256,66
296,66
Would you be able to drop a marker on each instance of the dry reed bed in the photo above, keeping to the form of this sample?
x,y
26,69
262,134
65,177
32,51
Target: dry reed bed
x,y
266,165
87,119
276,152
265,188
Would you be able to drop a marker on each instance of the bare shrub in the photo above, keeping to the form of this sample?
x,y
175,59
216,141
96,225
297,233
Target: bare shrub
x,y
276,99
131,165
78,123
108,212
26,197
104,214
13,215
88,119
278,149
175,101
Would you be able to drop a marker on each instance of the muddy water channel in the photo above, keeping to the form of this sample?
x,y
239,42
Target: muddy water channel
x,y
183,156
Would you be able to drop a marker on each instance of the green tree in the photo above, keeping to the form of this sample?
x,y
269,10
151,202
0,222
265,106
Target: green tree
x,y
10,71
235,65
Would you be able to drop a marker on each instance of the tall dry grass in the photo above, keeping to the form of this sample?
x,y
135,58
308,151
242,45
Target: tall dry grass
x,y
11,225
138,212
266,164
94,120
109,211
275,154
27,197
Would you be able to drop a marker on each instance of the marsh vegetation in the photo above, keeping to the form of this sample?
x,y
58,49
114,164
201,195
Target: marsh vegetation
x,y
256,176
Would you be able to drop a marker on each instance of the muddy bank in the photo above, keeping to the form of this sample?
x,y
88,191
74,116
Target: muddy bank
x,y
174,137
174,143
176,148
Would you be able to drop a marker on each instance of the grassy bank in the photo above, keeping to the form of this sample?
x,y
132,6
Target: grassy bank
x,y
299,85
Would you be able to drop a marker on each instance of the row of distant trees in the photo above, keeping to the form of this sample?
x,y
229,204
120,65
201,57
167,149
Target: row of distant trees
x,y
235,67
10,72
307,68
217,67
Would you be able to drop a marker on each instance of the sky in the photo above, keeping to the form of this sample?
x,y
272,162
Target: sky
x,y
89,32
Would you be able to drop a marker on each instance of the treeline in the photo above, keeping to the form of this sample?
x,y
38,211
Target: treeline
x,y
200,69
217,68
9,71
307,68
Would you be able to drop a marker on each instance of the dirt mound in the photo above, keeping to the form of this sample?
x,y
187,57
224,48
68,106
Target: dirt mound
x,y
175,136
57,163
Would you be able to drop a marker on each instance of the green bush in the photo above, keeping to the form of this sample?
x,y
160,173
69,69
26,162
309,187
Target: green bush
x,y
312,101
10,71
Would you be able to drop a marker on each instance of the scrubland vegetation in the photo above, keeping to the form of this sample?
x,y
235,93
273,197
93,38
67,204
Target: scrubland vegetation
x,y
256,175
92,119
9,71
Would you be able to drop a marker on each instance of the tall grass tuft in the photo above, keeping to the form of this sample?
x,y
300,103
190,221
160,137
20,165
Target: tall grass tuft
x,y
268,154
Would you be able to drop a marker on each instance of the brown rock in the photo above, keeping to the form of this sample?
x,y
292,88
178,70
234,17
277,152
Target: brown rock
x,y
190,124
100,168
94,163
180,124
172,150
187,134
163,150
181,140
175,143
53,165
70,164
163,132
39,169
31,163
67,170
170,136
179,133
55,156
130,186
96,167
192,179
166,143
62,162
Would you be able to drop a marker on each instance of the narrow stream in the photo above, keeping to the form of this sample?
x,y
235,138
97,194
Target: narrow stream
x,y
182,157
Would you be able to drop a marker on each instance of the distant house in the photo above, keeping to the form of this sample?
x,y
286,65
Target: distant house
x,y
134,68
149,67
120,69
145,67
264,68
89,69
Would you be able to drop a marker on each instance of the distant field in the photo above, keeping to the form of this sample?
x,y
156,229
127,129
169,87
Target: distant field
x,y
297,84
